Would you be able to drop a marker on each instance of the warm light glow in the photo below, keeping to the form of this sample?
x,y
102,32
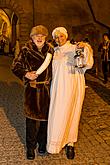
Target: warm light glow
x,y
6,26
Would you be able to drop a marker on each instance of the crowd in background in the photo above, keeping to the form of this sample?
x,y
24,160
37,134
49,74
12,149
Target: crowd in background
x,y
6,48
4,45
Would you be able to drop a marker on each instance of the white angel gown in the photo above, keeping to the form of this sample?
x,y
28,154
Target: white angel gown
x,y
67,96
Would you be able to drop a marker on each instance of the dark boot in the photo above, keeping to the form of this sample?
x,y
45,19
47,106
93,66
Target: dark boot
x,y
30,154
42,138
70,152
31,138
31,134
42,149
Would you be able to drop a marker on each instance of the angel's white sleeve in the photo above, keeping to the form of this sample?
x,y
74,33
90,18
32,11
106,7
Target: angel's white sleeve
x,y
88,55
44,64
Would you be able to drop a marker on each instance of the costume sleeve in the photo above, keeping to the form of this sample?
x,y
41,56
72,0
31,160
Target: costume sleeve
x,y
44,64
88,57
18,66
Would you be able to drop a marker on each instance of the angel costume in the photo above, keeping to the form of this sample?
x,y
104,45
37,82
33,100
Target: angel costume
x,y
67,96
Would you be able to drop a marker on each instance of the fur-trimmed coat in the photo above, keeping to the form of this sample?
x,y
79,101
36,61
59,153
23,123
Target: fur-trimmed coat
x,y
36,100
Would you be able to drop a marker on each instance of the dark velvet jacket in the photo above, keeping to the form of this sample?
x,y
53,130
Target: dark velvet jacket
x,y
36,100
103,51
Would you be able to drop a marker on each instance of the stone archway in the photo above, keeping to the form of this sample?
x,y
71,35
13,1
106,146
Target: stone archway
x,y
24,22
5,27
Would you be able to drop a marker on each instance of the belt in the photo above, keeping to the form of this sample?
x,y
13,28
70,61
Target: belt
x,y
34,83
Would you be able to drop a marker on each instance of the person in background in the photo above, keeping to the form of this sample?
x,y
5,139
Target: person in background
x,y
104,49
37,88
2,45
86,40
17,48
72,41
67,92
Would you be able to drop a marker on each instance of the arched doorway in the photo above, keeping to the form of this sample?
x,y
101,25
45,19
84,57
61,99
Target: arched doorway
x,y
15,29
5,33
9,29
21,21
5,25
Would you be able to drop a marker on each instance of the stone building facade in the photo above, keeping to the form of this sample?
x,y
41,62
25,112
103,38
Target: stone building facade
x,y
89,17
25,14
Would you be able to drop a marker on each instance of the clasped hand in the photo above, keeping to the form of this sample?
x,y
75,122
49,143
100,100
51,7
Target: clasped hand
x,y
31,75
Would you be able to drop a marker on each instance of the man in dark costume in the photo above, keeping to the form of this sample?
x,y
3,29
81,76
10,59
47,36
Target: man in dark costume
x,y
104,49
37,87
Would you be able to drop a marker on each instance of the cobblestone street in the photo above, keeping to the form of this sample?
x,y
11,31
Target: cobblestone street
x,y
93,146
